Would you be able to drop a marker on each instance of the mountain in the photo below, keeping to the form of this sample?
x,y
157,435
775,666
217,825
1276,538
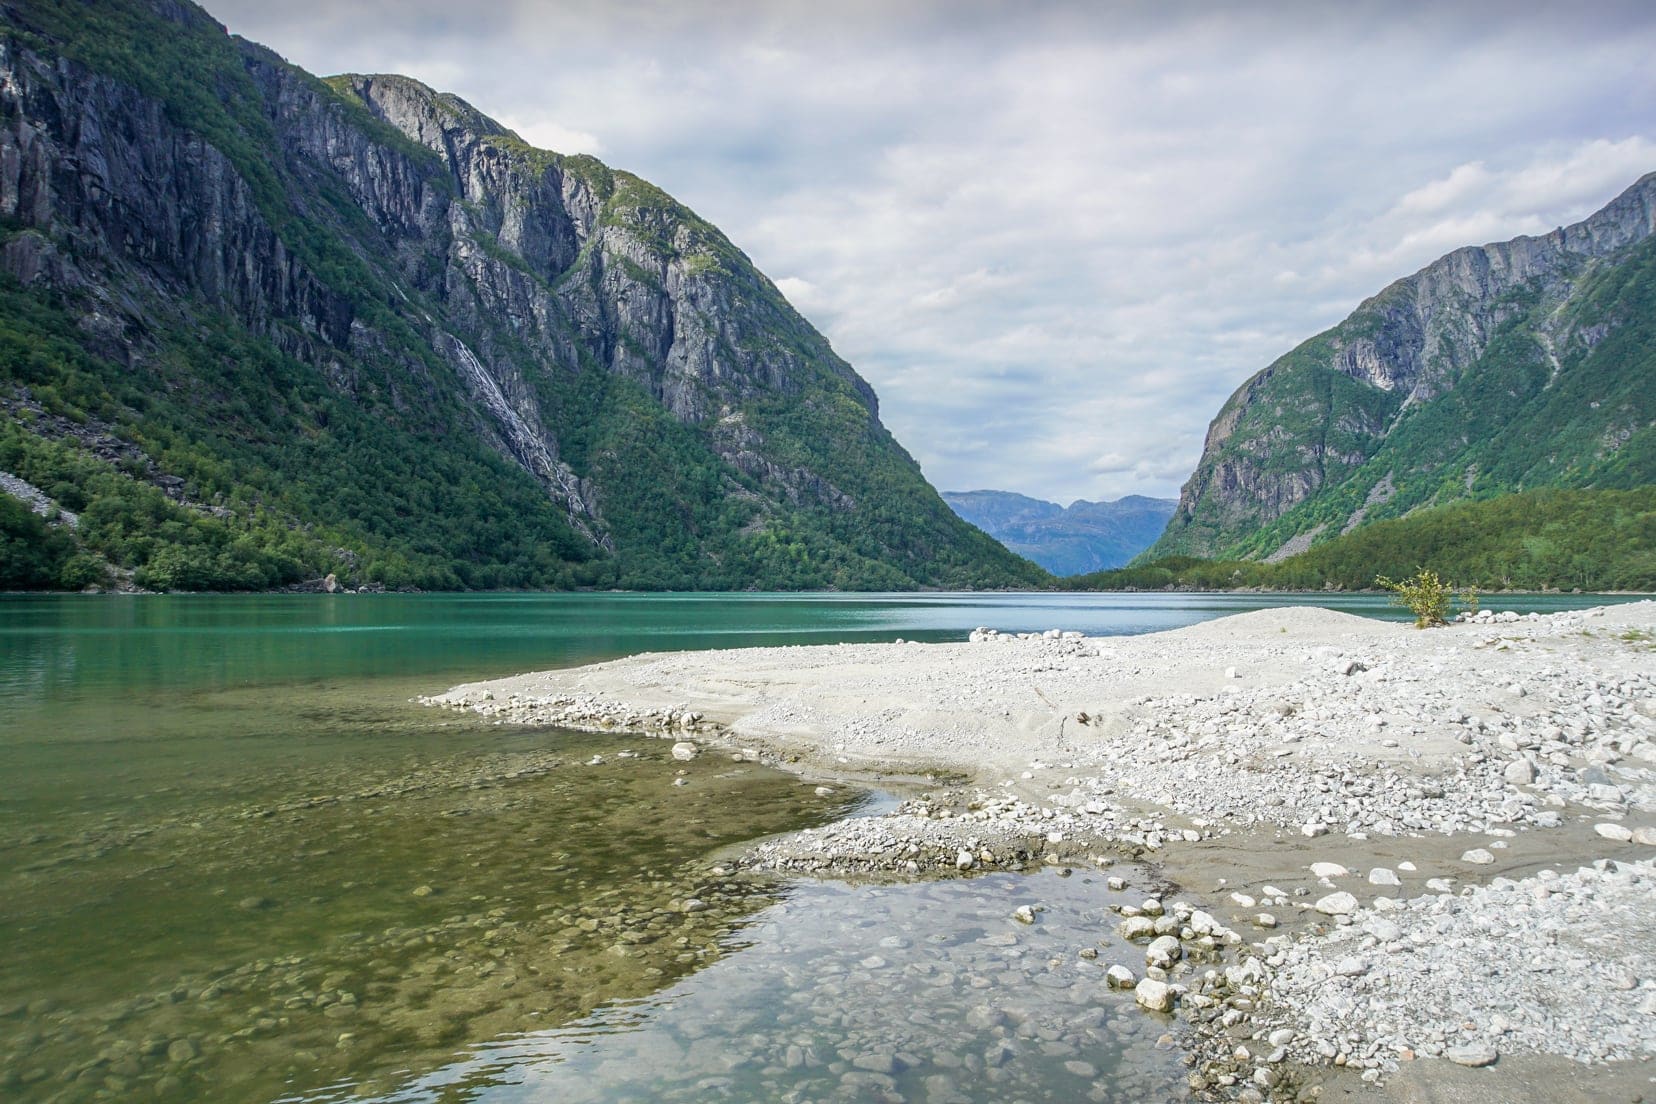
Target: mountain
x,y
1087,536
259,327
1549,538
1493,370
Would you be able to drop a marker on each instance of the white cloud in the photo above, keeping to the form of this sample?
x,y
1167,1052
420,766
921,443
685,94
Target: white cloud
x,y
550,134
1055,237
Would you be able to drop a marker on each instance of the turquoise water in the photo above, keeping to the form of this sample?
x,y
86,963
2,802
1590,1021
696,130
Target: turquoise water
x,y
237,864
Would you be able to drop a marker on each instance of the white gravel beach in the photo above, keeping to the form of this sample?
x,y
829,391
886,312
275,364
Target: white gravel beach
x,y
1419,862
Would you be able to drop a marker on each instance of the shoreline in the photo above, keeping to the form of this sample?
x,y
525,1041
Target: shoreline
x,y
371,589
1423,773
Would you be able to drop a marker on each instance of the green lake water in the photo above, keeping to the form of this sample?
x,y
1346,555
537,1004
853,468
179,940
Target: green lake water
x,y
236,864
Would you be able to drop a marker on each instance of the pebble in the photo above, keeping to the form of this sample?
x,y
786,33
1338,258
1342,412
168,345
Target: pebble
x,y
1336,904
1163,951
1465,744
1471,1054
1155,995
1351,966
1620,833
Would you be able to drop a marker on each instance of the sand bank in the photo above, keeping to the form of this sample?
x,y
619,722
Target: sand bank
x,y
1361,812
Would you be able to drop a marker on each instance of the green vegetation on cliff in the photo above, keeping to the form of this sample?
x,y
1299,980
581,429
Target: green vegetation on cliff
x,y
1545,539
1496,369
331,351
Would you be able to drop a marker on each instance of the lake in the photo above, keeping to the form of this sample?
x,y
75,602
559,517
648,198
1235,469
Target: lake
x,y
239,864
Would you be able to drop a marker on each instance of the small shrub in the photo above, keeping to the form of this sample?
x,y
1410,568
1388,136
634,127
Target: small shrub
x,y
1469,599
1425,595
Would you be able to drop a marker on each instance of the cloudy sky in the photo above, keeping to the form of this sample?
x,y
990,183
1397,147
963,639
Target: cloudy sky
x,y
1053,235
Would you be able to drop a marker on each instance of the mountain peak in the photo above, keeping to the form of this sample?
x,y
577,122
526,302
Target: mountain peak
x,y
428,352
1496,367
417,109
1084,537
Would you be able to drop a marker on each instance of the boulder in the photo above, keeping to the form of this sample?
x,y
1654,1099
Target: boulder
x,y
1157,996
1163,951
1336,904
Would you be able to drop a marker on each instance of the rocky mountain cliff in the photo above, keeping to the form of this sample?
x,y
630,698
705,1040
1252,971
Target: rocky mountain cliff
x,y
1083,537
355,326
1495,369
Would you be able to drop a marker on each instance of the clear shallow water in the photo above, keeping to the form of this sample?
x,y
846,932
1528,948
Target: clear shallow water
x,y
237,864
843,992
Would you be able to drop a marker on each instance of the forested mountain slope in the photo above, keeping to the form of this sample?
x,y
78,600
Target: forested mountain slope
x,y
1496,369
257,327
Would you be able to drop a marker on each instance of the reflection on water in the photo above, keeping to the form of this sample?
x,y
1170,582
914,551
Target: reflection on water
x,y
924,992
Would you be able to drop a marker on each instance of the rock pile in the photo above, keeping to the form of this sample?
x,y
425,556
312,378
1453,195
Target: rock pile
x,y
1557,963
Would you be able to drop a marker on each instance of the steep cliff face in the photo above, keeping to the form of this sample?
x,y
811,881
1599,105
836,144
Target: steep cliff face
x,y
1496,368
472,326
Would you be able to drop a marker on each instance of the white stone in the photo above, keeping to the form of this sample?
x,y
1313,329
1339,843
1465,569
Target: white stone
x,y
1386,931
1137,927
1120,977
684,751
1351,966
1381,876
1477,856
1155,995
1471,1054
1337,904
1328,870
1163,951
1620,833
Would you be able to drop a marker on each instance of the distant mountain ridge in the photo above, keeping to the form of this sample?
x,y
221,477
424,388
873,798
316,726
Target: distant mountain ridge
x,y
1495,369
257,327
1085,536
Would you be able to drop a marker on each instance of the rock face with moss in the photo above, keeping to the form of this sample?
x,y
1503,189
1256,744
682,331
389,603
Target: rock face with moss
x,y
1495,369
360,327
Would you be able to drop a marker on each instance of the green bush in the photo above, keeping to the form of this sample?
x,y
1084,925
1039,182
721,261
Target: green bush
x,y
83,570
1425,595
